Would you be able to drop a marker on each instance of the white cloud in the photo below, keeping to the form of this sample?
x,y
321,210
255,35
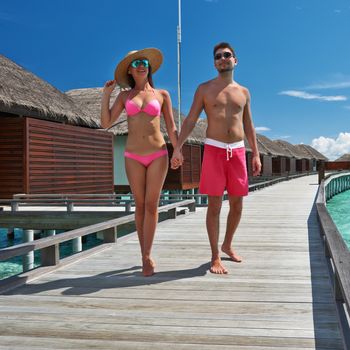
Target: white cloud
x,y
308,96
333,148
347,107
284,137
330,85
262,128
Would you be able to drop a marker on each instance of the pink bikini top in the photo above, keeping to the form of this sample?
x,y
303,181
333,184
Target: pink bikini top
x,y
152,108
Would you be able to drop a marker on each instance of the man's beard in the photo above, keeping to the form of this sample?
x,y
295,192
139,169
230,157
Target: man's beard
x,y
224,70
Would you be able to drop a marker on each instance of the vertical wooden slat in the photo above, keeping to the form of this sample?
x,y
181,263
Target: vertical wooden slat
x,y
69,159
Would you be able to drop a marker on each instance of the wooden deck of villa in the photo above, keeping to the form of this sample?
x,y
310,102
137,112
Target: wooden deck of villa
x,y
279,297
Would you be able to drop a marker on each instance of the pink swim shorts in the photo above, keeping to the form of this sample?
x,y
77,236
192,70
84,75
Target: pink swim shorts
x,y
224,167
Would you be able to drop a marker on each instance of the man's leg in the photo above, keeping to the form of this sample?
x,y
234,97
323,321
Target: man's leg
x,y
213,215
233,219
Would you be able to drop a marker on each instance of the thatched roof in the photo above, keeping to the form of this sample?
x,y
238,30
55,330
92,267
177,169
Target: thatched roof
x,y
270,147
309,152
23,93
313,153
344,158
290,149
90,100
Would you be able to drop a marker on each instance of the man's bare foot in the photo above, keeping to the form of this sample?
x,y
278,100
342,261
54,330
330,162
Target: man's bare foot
x,y
217,267
234,257
148,267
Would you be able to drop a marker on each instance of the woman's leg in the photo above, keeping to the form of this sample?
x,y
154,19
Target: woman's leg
x,y
136,174
155,176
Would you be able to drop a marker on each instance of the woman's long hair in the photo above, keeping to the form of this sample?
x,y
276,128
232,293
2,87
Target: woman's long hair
x,y
149,76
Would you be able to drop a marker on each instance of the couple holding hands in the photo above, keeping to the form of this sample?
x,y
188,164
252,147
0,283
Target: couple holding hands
x,y
229,120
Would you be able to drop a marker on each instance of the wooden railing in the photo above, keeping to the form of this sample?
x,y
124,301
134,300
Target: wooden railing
x,y
70,201
338,257
49,246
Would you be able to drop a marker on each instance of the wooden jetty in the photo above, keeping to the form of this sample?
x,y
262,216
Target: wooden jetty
x,y
279,297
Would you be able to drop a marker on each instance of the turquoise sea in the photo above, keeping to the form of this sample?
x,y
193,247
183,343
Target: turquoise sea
x,y
339,209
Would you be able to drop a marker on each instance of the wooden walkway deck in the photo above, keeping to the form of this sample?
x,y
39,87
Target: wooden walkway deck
x,y
278,298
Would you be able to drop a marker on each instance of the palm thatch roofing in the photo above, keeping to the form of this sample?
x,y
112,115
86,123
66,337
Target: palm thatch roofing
x,y
23,93
270,147
310,153
344,158
290,149
90,100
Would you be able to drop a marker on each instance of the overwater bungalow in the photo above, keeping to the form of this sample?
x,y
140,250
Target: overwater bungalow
x,y
344,158
312,157
185,178
47,143
274,162
296,161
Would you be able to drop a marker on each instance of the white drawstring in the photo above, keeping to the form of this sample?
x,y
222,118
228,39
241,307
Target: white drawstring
x,y
229,149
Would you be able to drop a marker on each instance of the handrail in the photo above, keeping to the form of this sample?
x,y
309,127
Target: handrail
x,y
114,199
336,183
338,256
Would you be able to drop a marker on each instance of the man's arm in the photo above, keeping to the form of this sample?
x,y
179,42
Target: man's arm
x,y
187,126
249,131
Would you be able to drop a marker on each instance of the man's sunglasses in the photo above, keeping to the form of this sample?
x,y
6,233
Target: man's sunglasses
x,y
137,63
225,55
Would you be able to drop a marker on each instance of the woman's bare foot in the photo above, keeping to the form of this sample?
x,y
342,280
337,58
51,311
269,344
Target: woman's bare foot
x,y
217,267
231,254
148,266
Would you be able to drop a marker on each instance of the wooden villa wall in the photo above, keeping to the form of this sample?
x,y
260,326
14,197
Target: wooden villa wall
x,y
187,176
248,157
344,165
266,165
301,165
291,165
68,159
279,165
12,165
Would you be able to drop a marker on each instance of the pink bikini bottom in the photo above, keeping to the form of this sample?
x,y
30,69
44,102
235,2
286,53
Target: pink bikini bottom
x,y
147,159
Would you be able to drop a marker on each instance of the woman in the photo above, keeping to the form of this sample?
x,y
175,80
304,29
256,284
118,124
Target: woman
x,y
146,156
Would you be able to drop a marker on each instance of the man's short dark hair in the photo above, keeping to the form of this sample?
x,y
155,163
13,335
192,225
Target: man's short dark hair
x,y
224,45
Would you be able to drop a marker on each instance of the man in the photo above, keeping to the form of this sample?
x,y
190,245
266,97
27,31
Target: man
x,y
227,106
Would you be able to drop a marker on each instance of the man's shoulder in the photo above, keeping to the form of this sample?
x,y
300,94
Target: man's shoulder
x,y
206,84
244,89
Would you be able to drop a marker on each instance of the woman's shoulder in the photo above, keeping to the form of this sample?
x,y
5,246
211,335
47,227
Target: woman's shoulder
x,y
164,93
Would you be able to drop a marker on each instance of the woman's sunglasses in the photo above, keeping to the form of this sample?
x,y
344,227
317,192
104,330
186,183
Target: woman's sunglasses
x,y
226,54
137,63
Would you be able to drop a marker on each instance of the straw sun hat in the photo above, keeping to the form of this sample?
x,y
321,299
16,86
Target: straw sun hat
x,y
154,56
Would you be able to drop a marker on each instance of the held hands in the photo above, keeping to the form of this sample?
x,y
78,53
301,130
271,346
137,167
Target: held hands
x,y
177,159
109,86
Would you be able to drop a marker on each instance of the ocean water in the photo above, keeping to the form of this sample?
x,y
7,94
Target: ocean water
x,y
339,209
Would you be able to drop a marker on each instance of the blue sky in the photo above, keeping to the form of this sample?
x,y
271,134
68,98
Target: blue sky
x,y
293,54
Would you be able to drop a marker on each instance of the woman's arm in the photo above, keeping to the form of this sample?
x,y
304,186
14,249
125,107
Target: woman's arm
x,y
169,117
110,115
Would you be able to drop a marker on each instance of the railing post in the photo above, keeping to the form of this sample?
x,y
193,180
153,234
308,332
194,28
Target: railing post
x,y
28,259
110,235
51,255
192,207
338,295
172,213
77,245
321,171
